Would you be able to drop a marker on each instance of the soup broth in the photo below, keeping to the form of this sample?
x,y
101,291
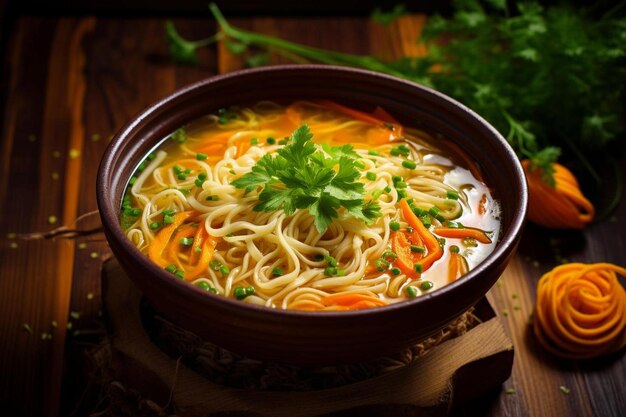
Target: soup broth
x,y
310,206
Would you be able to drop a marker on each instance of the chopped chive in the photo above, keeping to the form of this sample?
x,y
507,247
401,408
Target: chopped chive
x,y
171,268
240,293
452,195
168,219
400,185
411,291
426,221
151,156
177,169
330,271
401,194
376,194
409,229
270,141
180,274
418,211
359,164
373,152
249,290
454,249
395,226
198,182
387,189
155,225
426,285
277,272
370,176
330,260
215,265
318,257
395,152
141,166
396,178
203,285
224,270
418,268
135,212
340,272
417,249
254,141
389,254
132,180
434,211
198,249
404,149
201,156
186,241
454,225
168,212
283,141
182,176
396,271
179,135
202,176
382,264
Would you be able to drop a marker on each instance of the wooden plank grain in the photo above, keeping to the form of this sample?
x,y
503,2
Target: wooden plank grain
x,y
24,282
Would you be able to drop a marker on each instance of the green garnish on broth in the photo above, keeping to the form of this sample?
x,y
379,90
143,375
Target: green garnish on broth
x,y
301,176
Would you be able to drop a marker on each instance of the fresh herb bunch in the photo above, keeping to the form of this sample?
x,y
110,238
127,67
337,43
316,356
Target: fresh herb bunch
x,y
302,176
546,78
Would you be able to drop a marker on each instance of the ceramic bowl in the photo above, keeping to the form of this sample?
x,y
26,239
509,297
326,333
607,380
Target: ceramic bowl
x,y
298,337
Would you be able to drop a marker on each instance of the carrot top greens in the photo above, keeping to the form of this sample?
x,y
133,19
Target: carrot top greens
x,y
548,78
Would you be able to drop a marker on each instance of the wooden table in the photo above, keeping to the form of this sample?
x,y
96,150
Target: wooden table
x,y
70,82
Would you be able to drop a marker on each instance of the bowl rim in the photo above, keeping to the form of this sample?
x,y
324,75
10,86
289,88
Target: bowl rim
x,y
113,230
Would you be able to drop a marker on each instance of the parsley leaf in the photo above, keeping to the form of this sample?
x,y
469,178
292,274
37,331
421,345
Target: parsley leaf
x,y
303,176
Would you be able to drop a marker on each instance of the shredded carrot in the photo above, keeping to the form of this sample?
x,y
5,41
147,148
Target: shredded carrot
x,y
158,245
430,241
561,207
389,129
352,301
580,311
462,233
166,248
457,267
401,245
482,205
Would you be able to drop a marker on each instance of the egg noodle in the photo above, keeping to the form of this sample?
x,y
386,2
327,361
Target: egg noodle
x,y
192,220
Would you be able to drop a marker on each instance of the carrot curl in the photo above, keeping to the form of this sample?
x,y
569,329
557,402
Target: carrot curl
x,y
580,311
561,207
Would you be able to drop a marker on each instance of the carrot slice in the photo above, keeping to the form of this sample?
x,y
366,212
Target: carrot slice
x,y
352,301
401,244
463,233
430,241
457,267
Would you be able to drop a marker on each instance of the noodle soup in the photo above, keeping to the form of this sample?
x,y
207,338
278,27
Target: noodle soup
x,y
310,206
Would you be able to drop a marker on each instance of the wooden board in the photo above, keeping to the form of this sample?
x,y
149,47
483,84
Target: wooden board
x,y
446,377
73,81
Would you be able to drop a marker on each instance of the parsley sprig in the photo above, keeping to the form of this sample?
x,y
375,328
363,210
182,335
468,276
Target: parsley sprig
x,y
300,175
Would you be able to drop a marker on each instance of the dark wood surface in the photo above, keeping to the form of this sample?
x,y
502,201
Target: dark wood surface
x,y
69,82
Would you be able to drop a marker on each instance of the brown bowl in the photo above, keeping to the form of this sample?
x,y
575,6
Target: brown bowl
x,y
312,337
